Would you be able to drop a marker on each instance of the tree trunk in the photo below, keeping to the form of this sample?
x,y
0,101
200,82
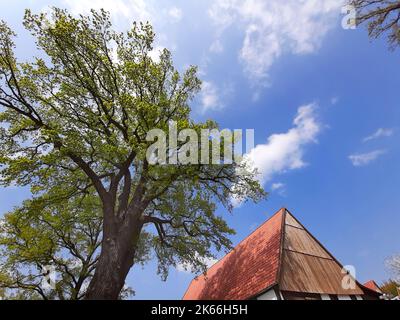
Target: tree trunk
x,y
115,260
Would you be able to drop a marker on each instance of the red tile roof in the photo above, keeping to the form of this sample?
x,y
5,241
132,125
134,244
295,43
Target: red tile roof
x,y
372,286
247,270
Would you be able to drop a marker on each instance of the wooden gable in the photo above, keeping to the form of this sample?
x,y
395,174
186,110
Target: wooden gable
x,y
307,266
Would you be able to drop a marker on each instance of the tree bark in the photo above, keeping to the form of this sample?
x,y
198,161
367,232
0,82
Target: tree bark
x,y
115,260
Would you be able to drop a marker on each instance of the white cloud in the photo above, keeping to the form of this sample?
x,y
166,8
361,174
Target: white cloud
x,y
363,159
381,132
128,9
209,96
175,13
187,267
283,152
272,28
213,97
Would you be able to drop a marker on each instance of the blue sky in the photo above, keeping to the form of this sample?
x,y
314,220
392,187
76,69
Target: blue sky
x,y
323,102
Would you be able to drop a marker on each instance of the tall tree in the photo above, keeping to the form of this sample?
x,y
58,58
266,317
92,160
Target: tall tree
x,y
78,120
382,16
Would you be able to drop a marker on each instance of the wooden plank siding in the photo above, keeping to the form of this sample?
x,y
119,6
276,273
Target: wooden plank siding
x,y
299,240
304,273
306,266
291,221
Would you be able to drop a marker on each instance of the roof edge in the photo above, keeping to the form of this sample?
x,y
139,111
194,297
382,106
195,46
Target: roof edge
x,y
278,275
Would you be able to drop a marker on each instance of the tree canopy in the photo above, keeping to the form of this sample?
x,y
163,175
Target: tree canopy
x,y
65,236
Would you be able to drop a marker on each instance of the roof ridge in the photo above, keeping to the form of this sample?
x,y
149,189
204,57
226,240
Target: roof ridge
x,y
260,226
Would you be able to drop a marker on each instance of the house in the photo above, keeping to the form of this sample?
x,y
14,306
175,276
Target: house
x,y
373,286
281,260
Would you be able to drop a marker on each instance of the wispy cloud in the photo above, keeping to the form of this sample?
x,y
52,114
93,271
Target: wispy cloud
x,y
380,133
120,9
279,188
334,100
214,97
175,13
363,159
275,27
209,96
216,46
